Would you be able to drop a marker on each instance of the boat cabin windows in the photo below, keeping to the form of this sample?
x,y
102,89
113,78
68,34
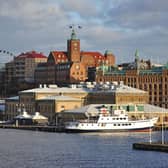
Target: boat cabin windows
x,y
103,124
126,124
119,118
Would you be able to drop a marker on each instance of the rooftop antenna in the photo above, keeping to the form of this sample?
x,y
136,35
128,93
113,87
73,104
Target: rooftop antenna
x,y
73,27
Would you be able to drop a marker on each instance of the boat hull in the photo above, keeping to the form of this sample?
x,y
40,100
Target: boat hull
x,y
105,125
108,130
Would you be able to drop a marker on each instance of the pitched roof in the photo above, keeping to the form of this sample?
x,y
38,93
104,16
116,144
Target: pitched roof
x,y
61,97
95,54
111,88
38,116
93,109
60,55
31,54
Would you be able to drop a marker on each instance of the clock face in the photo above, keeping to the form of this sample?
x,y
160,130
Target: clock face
x,y
77,66
75,44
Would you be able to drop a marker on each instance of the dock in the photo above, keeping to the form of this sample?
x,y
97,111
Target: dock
x,y
34,128
154,146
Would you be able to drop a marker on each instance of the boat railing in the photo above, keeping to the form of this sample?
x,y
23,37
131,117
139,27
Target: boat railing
x,y
88,121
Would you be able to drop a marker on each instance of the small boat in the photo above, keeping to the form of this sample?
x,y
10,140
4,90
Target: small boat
x,y
115,121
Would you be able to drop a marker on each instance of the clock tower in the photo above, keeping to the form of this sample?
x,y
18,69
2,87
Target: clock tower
x,y
73,48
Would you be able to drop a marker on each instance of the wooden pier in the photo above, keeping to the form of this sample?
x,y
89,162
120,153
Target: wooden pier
x,y
151,146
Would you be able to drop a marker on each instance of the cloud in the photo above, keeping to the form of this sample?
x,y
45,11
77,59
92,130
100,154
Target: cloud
x,y
138,14
118,25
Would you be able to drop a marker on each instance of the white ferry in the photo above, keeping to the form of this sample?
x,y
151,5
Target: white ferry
x,y
116,121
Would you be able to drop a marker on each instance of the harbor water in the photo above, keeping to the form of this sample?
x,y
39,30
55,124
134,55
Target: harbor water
x,y
33,149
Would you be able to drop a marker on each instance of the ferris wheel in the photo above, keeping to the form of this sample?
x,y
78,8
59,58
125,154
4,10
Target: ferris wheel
x,y
5,56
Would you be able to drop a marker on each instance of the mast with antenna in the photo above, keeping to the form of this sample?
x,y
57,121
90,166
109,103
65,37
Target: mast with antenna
x,y
73,27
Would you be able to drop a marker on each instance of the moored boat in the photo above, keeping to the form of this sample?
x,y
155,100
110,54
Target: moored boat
x,y
115,121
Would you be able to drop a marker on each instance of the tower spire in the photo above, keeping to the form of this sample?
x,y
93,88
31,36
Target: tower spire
x,y
136,55
137,61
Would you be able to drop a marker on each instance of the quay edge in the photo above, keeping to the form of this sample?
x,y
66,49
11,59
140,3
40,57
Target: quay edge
x,y
157,146
34,128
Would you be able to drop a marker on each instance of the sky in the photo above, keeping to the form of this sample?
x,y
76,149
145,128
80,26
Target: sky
x,y
121,26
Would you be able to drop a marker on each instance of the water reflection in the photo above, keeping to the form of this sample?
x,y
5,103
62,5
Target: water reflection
x,y
28,149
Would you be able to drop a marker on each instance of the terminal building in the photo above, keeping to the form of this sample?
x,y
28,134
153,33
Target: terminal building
x,y
51,100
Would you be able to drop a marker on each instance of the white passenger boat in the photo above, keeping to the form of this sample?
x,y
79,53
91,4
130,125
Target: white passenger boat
x,y
116,121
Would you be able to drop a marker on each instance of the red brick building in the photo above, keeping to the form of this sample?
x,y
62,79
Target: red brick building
x,y
142,75
71,66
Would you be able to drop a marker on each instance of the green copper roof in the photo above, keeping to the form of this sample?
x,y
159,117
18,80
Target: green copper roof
x,y
137,54
108,52
166,66
104,68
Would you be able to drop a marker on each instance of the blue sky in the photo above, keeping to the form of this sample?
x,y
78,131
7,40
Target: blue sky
x,y
121,26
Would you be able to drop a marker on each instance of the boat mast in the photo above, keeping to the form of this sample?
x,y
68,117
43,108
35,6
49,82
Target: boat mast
x,y
150,131
162,129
